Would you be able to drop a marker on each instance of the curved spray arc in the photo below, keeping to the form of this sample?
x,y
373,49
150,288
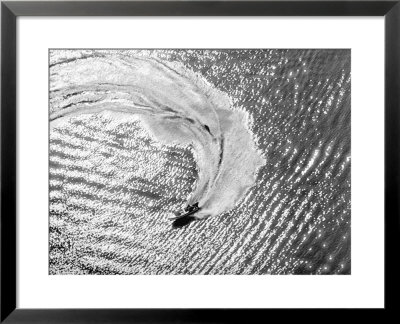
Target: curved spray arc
x,y
177,106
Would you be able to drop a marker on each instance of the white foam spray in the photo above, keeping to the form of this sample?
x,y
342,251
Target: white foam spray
x,y
177,106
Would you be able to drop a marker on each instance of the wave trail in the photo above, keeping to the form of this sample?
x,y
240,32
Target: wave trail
x,y
177,106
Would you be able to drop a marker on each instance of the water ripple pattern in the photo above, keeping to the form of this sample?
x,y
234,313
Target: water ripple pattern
x,y
260,138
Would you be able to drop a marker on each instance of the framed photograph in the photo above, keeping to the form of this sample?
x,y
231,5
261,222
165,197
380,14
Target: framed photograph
x,y
197,161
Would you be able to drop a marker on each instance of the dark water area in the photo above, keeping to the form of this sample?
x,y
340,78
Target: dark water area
x,y
112,185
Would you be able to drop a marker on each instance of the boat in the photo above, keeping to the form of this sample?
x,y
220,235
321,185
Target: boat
x,y
187,211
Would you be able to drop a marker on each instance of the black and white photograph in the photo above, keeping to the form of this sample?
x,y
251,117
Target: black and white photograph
x,y
199,161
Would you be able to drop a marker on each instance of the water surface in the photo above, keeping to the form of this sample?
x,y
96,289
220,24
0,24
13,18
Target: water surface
x,y
283,204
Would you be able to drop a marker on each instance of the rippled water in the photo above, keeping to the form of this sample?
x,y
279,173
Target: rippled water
x,y
113,183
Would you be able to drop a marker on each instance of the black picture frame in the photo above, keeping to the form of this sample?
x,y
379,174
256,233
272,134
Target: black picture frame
x,y
11,10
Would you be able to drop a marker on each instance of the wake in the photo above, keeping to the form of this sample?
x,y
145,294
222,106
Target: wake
x,y
177,107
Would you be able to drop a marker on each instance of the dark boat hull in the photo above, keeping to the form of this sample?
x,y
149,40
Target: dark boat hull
x,y
187,214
